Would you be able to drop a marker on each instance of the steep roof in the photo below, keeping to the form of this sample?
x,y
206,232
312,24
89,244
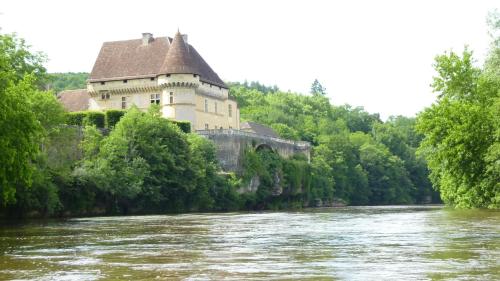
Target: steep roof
x,y
74,100
259,129
133,59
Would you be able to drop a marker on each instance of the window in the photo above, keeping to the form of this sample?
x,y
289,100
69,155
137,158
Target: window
x,y
206,105
125,81
168,75
102,83
104,95
194,75
171,98
215,107
230,110
124,102
107,96
152,79
155,98
206,126
230,128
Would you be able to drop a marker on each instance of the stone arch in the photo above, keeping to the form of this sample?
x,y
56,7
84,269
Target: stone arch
x,y
264,146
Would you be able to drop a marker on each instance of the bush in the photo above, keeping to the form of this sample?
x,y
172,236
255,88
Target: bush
x,y
113,116
185,126
94,118
81,118
75,118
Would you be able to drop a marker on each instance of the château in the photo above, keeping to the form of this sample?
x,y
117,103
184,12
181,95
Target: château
x,y
165,71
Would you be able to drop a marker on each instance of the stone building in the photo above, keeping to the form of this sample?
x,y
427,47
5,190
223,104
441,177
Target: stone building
x,y
164,71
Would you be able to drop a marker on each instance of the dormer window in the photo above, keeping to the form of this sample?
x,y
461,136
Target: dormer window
x,y
152,79
102,83
194,75
125,81
168,75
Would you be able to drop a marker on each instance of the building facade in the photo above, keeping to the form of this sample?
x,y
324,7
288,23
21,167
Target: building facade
x,y
165,71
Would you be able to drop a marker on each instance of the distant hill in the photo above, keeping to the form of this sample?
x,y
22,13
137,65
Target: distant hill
x,y
67,81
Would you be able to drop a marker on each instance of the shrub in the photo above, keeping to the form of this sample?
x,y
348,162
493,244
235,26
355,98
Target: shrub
x,y
113,116
81,118
185,126
95,118
75,118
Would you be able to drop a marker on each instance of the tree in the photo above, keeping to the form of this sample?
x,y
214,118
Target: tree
x,y
20,129
460,133
144,157
67,81
317,88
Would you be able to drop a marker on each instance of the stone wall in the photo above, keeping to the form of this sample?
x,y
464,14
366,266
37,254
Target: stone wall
x,y
231,145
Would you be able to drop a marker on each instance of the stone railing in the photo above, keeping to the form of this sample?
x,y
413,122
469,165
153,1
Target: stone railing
x,y
233,132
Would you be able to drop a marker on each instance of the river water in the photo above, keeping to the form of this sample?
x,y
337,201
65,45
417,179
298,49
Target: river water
x,y
353,243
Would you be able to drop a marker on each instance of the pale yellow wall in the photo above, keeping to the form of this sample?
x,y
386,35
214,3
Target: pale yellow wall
x,y
141,100
183,107
188,104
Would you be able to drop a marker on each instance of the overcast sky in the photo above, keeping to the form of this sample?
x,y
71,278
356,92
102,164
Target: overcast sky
x,y
376,54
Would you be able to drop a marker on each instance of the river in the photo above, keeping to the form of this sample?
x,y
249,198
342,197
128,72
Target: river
x,y
352,243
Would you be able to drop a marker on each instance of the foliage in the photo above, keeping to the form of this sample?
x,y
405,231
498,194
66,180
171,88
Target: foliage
x,y
113,116
81,118
22,122
317,88
356,157
95,118
461,132
254,85
185,126
67,81
75,118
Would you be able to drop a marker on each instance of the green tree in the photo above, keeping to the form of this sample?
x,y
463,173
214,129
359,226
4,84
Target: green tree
x,y
460,133
20,130
145,157
66,81
317,88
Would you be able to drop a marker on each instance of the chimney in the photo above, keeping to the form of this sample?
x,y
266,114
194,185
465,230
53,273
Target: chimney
x,y
185,38
147,38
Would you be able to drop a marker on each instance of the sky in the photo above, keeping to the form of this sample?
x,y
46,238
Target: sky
x,y
375,54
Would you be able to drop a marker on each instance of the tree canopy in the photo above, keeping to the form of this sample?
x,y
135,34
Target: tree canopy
x,y
461,129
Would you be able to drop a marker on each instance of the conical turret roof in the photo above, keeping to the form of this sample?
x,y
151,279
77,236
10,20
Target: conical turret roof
x,y
178,58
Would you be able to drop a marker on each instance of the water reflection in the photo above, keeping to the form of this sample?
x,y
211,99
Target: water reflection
x,y
365,243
